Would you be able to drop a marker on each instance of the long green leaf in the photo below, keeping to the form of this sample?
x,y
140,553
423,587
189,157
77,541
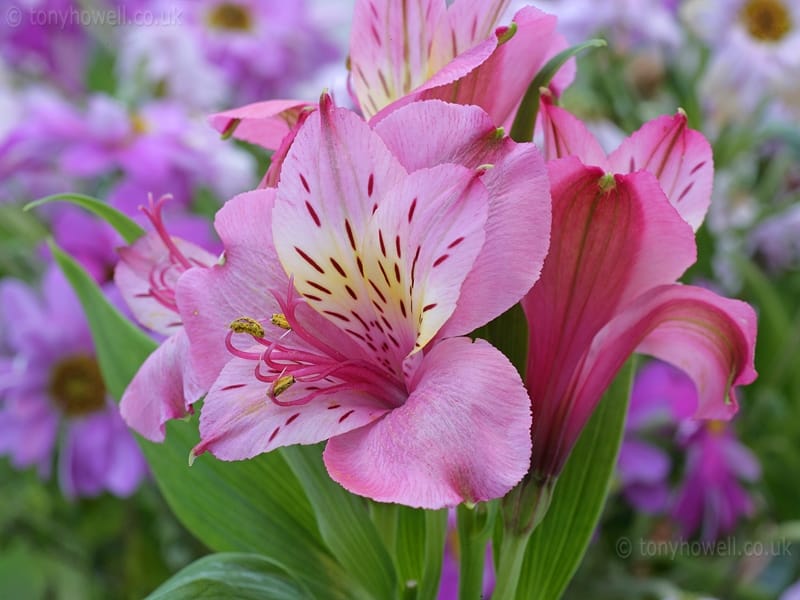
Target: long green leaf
x,y
226,576
525,119
253,506
560,541
127,228
345,524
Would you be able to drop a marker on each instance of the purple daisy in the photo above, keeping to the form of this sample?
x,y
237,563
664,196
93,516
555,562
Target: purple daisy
x,y
52,396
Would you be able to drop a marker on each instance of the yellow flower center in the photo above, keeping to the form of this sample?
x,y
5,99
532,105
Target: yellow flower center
x,y
230,16
766,20
77,387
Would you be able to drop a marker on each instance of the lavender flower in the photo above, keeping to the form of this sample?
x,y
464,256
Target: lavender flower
x,y
661,397
42,40
711,499
251,49
52,397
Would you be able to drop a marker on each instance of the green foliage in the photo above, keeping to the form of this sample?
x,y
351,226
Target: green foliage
x,y
226,576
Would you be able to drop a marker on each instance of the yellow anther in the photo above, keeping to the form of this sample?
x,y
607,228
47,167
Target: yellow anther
x,y
247,325
281,385
280,320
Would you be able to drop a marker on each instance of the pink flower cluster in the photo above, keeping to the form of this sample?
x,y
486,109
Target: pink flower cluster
x,y
376,243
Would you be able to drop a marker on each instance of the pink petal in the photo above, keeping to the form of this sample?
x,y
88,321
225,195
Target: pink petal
x,y
239,421
262,123
148,258
389,49
678,156
157,392
590,273
498,83
463,434
421,135
710,338
209,299
566,135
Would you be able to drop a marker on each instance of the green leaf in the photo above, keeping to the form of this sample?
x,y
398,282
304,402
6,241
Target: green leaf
x,y
416,539
127,228
525,120
225,576
253,506
559,542
345,524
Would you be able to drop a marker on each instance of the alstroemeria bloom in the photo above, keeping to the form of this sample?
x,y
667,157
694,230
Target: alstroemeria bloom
x,y
337,312
164,387
420,50
608,288
678,156
401,52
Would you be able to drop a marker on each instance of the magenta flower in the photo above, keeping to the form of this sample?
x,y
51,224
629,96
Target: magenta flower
x,y
52,398
165,387
608,286
711,498
337,312
403,52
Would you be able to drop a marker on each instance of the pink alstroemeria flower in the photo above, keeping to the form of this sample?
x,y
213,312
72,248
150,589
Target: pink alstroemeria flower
x,y
401,52
164,388
338,310
608,288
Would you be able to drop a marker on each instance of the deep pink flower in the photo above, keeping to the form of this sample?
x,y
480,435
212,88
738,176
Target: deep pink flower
x,y
164,388
608,286
337,312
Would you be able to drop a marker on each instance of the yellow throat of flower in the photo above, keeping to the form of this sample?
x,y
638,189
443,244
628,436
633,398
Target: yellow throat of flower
x,y
76,386
230,16
766,20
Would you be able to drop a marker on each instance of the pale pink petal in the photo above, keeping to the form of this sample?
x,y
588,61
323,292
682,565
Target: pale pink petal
x,y
421,135
454,71
148,264
389,49
613,238
157,393
209,299
710,338
678,156
335,177
238,420
420,247
262,123
566,135
463,434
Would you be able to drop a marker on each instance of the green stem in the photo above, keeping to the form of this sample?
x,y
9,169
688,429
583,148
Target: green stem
x,y
512,555
473,534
